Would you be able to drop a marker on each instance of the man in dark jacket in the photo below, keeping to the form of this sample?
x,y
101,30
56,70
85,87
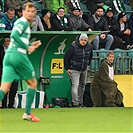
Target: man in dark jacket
x,y
76,21
98,23
113,28
14,86
103,89
76,60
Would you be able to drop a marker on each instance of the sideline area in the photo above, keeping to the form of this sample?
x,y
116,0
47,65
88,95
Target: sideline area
x,y
125,84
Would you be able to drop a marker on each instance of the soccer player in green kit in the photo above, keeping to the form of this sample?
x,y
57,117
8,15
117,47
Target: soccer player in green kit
x,y
16,65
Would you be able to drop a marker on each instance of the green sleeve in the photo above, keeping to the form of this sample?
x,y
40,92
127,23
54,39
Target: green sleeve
x,y
16,36
18,29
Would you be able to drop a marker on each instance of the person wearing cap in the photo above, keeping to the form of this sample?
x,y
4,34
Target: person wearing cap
x,y
60,21
76,60
46,20
113,28
98,23
124,30
76,21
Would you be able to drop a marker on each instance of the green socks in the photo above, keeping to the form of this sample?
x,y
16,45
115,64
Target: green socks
x,y
2,94
29,99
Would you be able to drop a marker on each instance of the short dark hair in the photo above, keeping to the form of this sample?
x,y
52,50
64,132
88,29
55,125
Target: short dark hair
x,y
11,9
100,7
6,37
61,8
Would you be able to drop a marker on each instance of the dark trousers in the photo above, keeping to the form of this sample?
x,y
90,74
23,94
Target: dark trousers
x,y
11,93
125,38
117,43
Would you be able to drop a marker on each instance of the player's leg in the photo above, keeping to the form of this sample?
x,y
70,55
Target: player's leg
x,y
8,76
26,72
5,87
32,83
12,94
4,101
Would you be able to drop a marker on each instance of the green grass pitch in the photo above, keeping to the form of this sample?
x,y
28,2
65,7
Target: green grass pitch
x,y
69,120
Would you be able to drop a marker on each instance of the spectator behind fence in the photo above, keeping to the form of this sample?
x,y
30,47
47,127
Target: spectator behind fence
x,y
14,86
98,23
1,8
76,59
124,30
76,21
14,4
36,24
8,20
46,20
113,28
60,21
103,88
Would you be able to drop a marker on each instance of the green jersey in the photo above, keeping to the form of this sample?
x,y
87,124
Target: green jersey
x,y
20,42
20,68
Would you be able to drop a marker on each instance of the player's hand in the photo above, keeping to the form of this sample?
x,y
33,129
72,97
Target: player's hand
x,y
36,43
31,49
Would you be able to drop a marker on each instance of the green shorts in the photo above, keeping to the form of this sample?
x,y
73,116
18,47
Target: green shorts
x,y
17,66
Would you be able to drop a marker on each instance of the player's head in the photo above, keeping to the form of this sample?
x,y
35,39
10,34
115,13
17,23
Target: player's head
x,y
28,11
110,57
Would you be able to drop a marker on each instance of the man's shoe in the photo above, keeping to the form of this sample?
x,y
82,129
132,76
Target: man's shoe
x,y
30,117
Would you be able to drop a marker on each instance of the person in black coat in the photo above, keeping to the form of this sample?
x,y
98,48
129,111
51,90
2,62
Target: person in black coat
x,y
14,86
113,28
76,59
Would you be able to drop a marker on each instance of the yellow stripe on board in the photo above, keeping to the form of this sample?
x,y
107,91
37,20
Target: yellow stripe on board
x,y
125,85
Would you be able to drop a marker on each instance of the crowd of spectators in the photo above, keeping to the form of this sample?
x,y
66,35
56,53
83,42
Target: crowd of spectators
x,y
108,16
